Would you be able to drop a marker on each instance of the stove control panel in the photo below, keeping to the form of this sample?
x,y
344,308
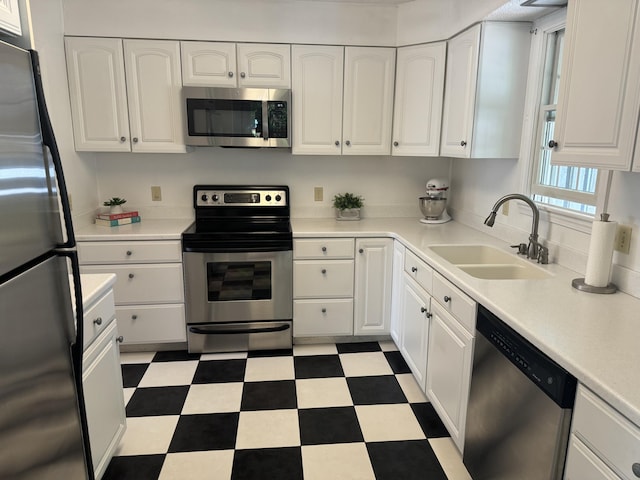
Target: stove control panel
x,y
240,198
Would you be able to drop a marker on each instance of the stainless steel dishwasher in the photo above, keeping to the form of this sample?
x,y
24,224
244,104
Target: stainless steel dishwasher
x,y
520,406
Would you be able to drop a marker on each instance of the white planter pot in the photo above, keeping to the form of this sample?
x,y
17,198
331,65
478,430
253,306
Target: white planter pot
x,y
116,209
348,214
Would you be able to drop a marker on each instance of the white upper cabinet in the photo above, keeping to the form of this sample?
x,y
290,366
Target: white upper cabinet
x,y
125,95
486,78
154,82
326,122
418,103
216,64
599,98
95,71
368,100
10,17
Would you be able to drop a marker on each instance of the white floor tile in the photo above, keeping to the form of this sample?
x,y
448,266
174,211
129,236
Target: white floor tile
x,y
365,364
411,389
162,374
260,369
147,435
136,357
209,465
323,392
223,356
315,349
388,346
344,461
213,398
449,458
128,393
381,423
267,429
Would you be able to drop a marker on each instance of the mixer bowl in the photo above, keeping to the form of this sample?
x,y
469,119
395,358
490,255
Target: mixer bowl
x,y
432,207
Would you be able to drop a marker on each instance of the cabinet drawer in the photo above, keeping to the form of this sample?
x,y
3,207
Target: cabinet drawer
x,y
419,271
316,278
151,323
613,438
322,317
144,283
582,464
129,252
455,301
97,317
323,248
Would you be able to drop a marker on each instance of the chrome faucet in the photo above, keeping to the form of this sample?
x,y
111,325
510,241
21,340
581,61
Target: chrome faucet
x,y
534,249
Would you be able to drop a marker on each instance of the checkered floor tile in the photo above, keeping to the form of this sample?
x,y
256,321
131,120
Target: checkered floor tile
x,y
334,411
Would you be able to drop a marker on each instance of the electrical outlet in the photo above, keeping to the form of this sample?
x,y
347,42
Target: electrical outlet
x,y
156,194
505,208
622,241
318,194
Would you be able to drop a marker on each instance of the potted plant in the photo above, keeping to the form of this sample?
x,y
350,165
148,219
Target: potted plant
x,y
115,204
347,206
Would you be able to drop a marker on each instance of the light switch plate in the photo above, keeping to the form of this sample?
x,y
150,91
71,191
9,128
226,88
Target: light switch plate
x,y
156,194
318,194
622,241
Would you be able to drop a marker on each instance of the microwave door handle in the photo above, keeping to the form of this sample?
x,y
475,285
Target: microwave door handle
x,y
265,120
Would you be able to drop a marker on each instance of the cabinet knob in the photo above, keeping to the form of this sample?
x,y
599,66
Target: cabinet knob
x,y
429,314
635,468
324,310
98,321
242,74
347,143
123,139
447,298
554,144
395,144
337,143
135,139
414,269
120,339
324,249
361,251
129,253
230,74
463,143
423,309
134,317
324,271
131,275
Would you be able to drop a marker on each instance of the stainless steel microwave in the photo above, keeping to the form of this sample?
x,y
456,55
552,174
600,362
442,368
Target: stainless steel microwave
x,y
237,117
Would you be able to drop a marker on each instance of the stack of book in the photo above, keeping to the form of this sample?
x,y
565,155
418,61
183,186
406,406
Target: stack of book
x,y
115,219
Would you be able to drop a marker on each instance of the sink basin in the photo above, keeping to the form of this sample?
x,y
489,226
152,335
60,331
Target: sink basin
x,y
489,263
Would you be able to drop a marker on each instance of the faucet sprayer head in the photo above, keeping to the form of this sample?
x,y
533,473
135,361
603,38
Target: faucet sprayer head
x,y
489,221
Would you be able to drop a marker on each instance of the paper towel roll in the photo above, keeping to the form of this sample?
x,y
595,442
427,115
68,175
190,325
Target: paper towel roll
x,y
600,253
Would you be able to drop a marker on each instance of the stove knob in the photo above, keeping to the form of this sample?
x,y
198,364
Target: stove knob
x,y
214,197
268,198
278,198
204,198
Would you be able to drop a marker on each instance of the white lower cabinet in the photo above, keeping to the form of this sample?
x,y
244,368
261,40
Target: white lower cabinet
x,y
416,305
397,286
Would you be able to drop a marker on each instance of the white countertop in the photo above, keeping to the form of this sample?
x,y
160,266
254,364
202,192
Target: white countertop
x,y
147,229
595,337
93,286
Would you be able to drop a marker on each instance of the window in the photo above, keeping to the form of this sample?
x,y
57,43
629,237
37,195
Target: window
x,y
571,188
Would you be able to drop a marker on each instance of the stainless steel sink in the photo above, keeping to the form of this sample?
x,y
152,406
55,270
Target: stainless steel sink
x,y
489,263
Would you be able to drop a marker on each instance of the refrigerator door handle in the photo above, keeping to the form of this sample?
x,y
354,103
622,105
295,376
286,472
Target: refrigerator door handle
x,y
49,140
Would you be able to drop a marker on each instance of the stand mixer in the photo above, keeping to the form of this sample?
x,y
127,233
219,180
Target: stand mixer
x,y
434,204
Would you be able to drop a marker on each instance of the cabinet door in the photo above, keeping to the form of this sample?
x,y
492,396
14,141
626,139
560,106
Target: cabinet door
x,y
415,329
95,72
372,294
154,83
264,65
397,286
102,385
208,64
317,79
368,100
449,371
599,96
583,464
419,95
460,93
10,17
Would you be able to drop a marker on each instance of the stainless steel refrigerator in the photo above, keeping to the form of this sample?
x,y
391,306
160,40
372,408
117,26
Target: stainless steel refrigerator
x,y
43,432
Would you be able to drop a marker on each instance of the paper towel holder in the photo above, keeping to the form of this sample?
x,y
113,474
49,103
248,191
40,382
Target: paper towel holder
x,y
579,284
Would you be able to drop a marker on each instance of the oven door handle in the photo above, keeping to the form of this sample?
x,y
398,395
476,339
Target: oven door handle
x,y
238,331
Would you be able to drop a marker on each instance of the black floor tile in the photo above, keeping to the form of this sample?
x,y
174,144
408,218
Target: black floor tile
x,y
270,353
132,373
429,420
175,356
408,460
329,425
318,366
137,467
269,395
397,363
155,401
375,390
268,464
220,371
215,431
358,347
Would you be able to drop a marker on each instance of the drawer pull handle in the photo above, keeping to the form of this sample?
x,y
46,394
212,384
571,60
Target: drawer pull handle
x,y
635,468
120,339
129,253
447,299
361,251
324,271
423,309
98,321
134,317
324,310
131,275
324,249
414,269
429,315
